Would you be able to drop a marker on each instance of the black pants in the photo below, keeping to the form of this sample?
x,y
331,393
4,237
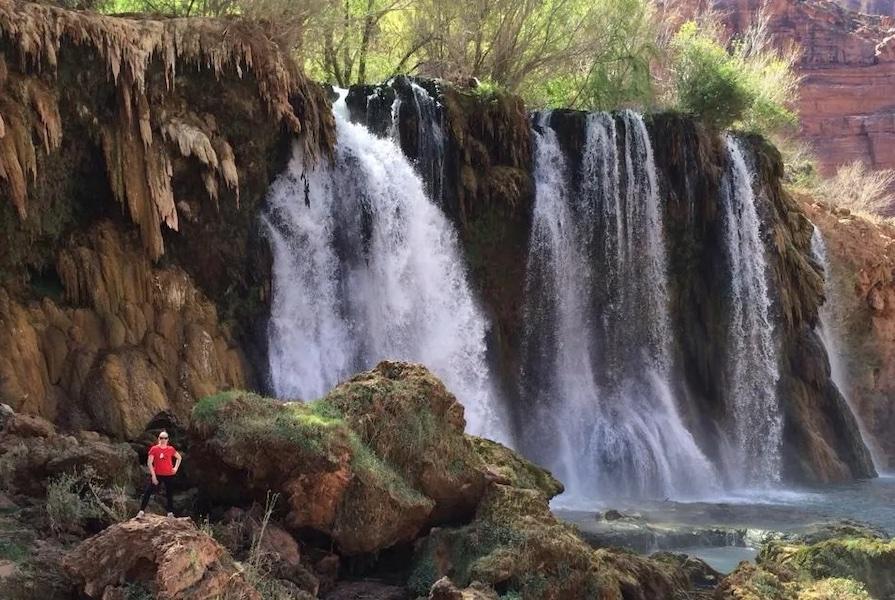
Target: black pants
x,y
151,488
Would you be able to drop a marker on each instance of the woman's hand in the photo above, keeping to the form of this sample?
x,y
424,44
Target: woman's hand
x,y
154,479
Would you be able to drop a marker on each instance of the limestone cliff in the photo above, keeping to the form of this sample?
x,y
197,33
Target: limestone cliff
x,y
134,155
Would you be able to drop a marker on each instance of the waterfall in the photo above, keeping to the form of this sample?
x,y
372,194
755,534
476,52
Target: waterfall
x,y
597,343
754,458
428,158
367,268
831,337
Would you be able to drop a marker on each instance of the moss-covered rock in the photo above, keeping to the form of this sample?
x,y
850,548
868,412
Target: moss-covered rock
x,y
371,464
512,469
845,568
517,546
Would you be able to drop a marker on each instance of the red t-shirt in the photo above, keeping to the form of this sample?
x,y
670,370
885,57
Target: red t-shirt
x,y
163,459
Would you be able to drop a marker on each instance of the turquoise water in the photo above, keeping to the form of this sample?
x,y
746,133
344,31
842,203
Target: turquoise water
x,y
751,514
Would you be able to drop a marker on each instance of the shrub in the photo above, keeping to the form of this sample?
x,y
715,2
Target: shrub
x,y
861,190
66,509
746,84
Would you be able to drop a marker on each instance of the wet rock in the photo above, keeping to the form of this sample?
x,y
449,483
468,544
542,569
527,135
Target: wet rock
x,y
700,575
171,556
612,515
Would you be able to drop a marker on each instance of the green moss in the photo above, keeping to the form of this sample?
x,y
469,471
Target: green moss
x,y
519,472
206,408
13,550
834,589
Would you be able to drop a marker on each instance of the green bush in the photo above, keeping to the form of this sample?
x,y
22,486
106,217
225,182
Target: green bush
x,y
749,84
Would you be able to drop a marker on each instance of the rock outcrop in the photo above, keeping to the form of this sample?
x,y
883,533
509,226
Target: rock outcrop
x,y
515,544
171,557
850,567
861,255
32,452
123,139
378,459
121,342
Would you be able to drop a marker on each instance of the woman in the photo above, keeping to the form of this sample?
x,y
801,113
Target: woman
x,y
163,462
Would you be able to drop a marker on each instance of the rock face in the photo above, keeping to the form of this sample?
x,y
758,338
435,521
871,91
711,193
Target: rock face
x,y
848,70
112,154
123,342
171,556
862,264
371,464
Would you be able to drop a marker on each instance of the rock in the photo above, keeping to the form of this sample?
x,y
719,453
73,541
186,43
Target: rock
x,y
407,417
700,575
366,590
171,556
128,341
515,543
372,464
32,453
444,589
612,515
509,468
851,567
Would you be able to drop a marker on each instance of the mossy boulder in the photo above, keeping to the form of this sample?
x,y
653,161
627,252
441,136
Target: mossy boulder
x,y
372,464
517,546
844,568
509,468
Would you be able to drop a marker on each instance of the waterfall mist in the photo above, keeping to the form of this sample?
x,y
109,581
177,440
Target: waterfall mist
x,y
597,342
367,268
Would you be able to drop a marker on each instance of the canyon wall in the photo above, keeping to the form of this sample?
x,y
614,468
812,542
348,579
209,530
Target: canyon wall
x,y
847,95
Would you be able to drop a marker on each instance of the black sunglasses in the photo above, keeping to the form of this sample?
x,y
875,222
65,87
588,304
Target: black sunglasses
x,y
162,437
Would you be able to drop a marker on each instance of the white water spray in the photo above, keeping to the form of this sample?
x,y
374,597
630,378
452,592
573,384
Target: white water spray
x,y
597,341
367,268
757,424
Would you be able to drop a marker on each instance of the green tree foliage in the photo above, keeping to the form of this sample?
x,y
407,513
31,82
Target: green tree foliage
x,y
749,84
589,54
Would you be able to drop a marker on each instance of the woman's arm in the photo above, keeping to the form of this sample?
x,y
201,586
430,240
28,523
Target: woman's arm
x,y
177,459
151,470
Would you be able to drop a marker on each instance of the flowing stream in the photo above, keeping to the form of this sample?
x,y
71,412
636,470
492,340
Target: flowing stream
x,y
366,267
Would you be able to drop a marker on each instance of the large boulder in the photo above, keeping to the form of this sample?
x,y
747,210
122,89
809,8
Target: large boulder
x,y
171,557
374,463
516,544
854,566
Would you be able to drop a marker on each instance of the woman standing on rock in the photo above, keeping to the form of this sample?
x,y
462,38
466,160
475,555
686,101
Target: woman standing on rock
x,y
163,462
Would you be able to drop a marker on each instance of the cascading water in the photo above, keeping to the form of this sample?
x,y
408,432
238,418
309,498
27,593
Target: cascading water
x,y
597,340
367,268
429,156
830,335
757,425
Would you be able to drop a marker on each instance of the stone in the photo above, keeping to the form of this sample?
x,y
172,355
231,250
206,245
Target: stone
x,y
379,459
444,589
366,590
32,453
612,515
516,543
171,556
